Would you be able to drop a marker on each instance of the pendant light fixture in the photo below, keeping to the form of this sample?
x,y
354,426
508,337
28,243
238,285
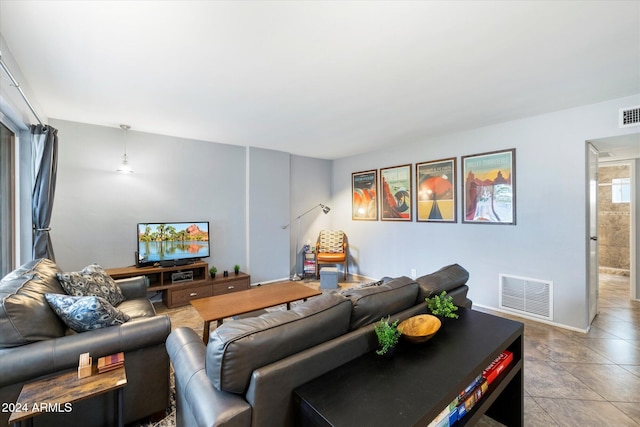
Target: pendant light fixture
x,y
124,166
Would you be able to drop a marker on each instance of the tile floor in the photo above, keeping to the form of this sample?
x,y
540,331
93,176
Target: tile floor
x,y
570,378
577,379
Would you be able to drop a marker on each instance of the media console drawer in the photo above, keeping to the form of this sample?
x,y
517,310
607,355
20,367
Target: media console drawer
x,y
175,298
233,285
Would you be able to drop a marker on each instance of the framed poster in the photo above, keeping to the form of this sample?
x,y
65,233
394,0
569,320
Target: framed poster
x,y
395,193
436,191
489,183
364,204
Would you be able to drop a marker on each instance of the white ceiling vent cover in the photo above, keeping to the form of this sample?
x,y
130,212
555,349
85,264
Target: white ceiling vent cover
x,y
529,297
629,116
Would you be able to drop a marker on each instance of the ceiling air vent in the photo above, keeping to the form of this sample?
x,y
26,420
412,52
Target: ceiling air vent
x,y
630,116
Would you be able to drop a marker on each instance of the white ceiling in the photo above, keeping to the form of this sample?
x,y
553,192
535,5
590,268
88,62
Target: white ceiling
x,y
325,79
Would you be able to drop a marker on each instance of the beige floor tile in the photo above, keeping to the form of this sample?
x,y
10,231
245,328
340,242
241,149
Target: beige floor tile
x,y
549,379
584,413
631,409
535,416
567,349
612,382
618,351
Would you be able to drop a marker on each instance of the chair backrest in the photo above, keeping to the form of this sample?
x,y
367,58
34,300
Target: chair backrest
x,y
330,241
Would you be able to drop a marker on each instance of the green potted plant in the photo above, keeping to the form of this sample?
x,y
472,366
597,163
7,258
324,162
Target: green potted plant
x,y
236,268
212,272
442,305
388,336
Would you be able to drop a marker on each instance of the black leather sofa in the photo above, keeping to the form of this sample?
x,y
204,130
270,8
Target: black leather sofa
x,y
42,346
247,372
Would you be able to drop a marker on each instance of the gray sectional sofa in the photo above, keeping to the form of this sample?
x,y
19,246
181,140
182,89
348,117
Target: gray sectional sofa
x,y
245,375
35,343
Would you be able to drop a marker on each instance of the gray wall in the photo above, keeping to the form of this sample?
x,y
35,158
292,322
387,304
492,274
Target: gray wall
x,y
96,209
310,186
268,201
549,241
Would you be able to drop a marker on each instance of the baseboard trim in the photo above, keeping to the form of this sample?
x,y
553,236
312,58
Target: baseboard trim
x,y
535,319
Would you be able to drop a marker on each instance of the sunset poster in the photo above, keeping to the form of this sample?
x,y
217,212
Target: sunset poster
x,y
436,191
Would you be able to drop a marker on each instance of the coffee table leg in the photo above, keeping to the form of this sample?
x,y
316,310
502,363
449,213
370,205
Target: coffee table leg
x,y
205,334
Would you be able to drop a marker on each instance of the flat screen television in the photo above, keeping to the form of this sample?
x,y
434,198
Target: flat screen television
x,y
172,243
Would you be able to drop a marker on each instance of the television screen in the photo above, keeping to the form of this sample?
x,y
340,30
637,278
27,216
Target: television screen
x,y
173,241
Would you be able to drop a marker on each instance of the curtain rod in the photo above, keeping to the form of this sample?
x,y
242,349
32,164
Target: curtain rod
x,y
17,85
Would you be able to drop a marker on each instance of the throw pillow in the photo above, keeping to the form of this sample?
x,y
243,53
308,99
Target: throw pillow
x,y
91,281
331,242
85,313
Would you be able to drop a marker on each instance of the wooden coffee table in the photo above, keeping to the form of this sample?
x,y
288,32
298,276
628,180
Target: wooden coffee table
x,y
219,307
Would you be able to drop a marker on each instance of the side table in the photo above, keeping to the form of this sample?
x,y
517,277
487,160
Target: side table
x,y
58,393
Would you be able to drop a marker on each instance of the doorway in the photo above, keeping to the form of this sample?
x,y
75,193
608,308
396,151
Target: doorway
x,y
614,218
618,234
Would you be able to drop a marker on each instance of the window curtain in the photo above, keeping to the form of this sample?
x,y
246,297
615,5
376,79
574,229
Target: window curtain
x,y
44,146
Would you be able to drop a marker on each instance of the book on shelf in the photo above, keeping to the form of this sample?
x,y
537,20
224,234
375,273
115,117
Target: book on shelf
x,y
108,363
497,366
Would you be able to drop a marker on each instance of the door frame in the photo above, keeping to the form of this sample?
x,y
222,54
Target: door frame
x,y
591,232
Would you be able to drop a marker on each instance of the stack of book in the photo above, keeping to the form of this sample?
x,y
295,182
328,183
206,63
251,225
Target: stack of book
x,y
108,363
468,397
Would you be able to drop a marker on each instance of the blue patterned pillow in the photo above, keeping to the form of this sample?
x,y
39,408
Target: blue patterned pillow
x,y
86,313
91,281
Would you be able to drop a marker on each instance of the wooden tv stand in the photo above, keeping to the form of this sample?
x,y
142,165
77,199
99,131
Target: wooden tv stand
x,y
175,294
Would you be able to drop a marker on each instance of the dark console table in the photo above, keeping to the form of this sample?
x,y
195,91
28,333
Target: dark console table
x,y
414,386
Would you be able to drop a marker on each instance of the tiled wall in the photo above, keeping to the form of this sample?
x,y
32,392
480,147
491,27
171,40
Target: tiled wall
x,y
613,223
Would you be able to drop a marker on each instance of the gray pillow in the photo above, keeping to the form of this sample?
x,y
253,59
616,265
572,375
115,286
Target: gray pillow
x,y
86,313
91,281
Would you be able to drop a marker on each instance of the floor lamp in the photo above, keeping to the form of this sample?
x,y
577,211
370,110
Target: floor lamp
x,y
326,210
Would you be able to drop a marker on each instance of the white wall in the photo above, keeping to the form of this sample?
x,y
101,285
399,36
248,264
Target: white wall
x,y
549,240
96,210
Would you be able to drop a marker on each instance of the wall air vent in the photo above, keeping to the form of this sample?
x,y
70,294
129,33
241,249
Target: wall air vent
x,y
629,116
529,297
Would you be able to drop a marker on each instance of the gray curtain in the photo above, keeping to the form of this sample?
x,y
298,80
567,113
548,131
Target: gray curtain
x,y
44,146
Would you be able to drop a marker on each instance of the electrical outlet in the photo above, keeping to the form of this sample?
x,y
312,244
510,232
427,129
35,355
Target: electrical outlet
x,y
413,273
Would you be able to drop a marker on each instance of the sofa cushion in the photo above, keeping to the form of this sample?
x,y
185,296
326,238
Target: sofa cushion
x,y
137,308
370,304
91,281
25,315
445,279
86,313
239,347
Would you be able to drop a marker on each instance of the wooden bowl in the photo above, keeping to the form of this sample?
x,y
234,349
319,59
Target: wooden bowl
x,y
420,328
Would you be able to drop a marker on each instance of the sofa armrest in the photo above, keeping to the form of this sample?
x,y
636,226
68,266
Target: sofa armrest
x,y
133,287
20,364
199,403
